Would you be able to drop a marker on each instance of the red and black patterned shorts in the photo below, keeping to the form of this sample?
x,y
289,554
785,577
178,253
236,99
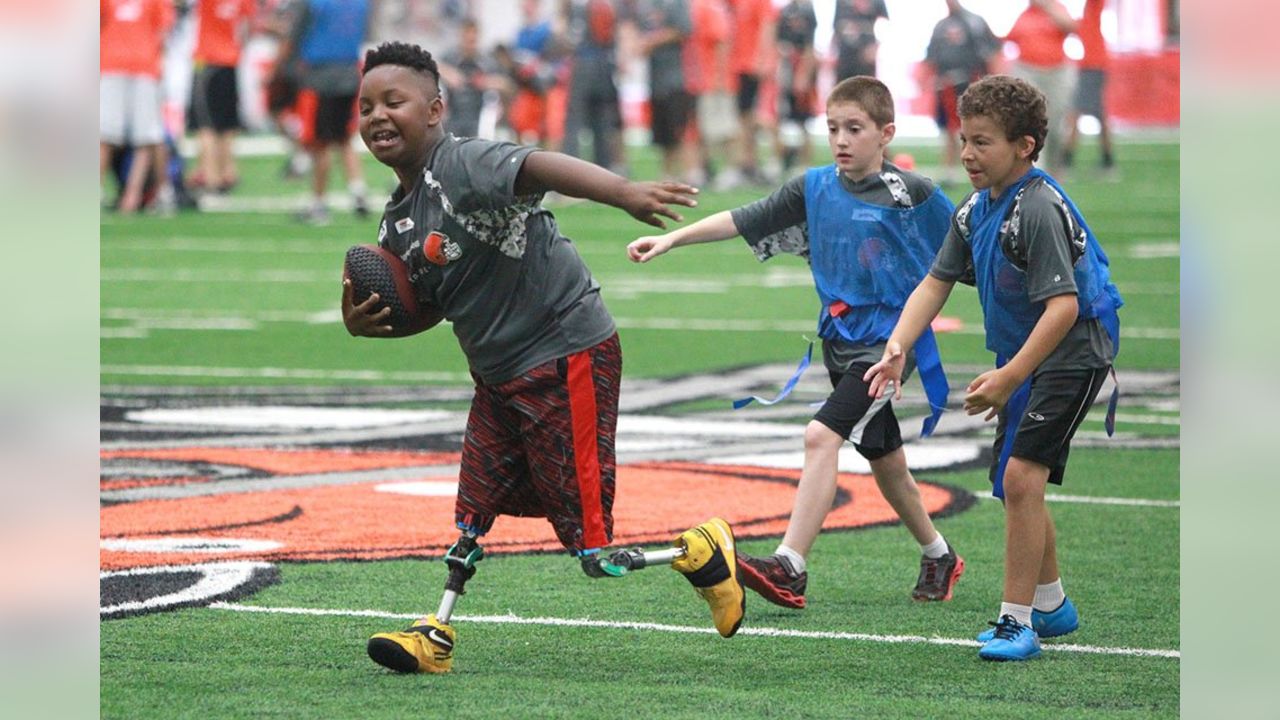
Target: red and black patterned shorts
x,y
541,445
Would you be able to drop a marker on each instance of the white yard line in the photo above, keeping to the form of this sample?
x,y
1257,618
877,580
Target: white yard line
x,y
1090,500
1137,419
160,317
282,373
685,629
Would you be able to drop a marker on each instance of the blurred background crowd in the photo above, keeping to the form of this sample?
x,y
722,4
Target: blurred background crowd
x,y
728,91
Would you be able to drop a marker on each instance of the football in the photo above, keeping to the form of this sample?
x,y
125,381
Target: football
x,y
372,269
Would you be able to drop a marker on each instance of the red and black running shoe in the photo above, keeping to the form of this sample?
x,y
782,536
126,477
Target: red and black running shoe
x,y
774,578
938,576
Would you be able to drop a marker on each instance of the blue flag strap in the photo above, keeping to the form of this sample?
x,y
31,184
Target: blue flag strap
x,y
933,378
1110,422
1014,410
786,389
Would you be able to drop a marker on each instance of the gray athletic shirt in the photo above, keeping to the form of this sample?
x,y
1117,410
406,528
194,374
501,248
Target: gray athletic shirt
x,y
516,290
1040,238
778,224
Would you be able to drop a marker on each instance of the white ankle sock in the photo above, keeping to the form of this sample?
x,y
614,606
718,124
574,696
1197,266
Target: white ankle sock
x,y
935,549
1049,597
1021,613
797,560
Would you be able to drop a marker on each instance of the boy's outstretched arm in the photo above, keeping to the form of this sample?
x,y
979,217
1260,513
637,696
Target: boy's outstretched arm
x,y
991,390
922,307
716,227
645,201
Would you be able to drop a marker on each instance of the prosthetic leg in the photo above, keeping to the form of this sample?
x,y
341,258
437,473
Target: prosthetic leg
x,y
461,559
706,555
427,646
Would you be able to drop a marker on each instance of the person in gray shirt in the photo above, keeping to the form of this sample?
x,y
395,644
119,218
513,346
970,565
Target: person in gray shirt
x,y
868,231
664,27
466,220
1049,311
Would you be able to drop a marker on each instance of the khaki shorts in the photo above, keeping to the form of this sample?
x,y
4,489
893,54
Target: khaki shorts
x,y
129,111
717,116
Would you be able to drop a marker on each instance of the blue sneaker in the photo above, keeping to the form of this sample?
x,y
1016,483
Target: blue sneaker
x,y
1047,625
1012,641
1059,622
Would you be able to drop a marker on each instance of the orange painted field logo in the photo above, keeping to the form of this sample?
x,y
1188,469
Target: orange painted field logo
x,y
313,505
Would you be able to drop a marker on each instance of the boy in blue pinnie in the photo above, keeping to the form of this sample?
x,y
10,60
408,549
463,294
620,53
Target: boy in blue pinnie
x,y
1050,314
869,231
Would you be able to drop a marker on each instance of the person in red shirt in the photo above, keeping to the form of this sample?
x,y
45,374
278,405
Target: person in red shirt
x,y
1038,34
131,47
215,100
708,80
1090,84
752,21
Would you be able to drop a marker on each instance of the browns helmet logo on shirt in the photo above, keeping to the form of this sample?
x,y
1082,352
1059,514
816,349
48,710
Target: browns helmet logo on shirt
x,y
439,249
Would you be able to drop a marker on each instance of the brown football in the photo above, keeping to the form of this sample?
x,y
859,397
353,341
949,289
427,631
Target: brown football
x,y
373,269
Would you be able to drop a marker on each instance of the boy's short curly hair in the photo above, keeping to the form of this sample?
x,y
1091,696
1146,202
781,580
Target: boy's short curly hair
x,y
403,54
1016,105
868,92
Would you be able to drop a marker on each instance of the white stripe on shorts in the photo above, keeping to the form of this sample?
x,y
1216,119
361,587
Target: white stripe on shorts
x,y
855,436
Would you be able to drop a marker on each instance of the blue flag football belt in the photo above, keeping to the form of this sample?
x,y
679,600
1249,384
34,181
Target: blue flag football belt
x,y
928,362
1016,408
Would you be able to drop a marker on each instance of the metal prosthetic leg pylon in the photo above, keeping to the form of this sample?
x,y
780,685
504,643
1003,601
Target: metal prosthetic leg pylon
x,y
461,559
638,559
622,562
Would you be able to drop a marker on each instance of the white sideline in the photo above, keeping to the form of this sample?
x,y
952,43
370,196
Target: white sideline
x,y
658,627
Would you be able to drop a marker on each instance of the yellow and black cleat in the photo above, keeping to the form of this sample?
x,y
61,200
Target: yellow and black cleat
x,y
711,565
427,646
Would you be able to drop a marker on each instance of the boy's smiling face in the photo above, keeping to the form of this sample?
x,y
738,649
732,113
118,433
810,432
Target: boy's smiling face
x,y
400,116
991,159
857,143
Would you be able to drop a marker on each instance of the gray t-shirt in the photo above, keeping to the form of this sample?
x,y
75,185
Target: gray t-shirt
x,y
464,102
666,62
516,290
960,46
1041,238
778,224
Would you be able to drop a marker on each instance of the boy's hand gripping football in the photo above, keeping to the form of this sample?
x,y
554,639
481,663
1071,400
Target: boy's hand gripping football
x,y
364,319
646,201
886,375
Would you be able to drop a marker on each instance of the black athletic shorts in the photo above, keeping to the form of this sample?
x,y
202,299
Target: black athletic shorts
x,y
748,90
326,119
282,93
1059,401
866,422
669,116
1089,85
215,99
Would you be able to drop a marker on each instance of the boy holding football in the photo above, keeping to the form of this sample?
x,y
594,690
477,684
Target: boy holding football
x,y
1050,313
544,352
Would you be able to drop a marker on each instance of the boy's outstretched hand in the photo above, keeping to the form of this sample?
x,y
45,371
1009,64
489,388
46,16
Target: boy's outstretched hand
x,y
989,391
886,375
647,201
364,319
644,249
